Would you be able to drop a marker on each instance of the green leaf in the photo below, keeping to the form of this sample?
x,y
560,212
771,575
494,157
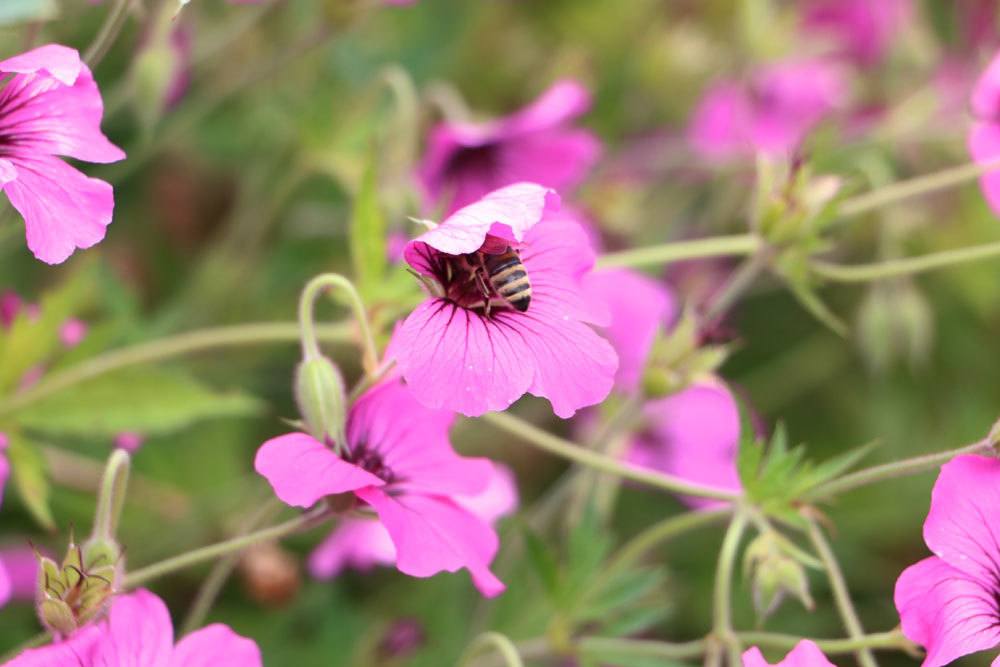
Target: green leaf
x,y
544,563
367,233
146,399
22,11
31,479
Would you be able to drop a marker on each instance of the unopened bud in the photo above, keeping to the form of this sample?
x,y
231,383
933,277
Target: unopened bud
x,y
894,323
322,402
679,358
775,572
271,574
80,589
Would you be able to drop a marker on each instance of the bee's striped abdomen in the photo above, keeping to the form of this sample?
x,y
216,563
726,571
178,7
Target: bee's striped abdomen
x,y
509,278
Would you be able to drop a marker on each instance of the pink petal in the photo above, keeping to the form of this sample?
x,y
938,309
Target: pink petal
x,y
138,633
498,499
60,62
984,146
63,210
805,654
513,209
720,122
861,29
945,610
433,534
413,441
561,103
640,308
354,543
963,526
560,159
986,93
6,587
21,564
215,646
301,470
80,649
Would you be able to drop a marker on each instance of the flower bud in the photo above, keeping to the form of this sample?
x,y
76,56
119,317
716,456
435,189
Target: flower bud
x,y
80,589
894,323
775,571
319,393
678,359
270,574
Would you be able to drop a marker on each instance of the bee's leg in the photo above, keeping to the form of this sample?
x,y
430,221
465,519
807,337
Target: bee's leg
x,y
486,292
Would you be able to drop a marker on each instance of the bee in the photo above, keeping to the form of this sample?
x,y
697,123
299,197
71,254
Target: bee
x,y
509,279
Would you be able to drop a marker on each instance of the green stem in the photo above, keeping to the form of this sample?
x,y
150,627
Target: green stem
x,y
739,282
107,33
906,266
841,595
111,498
307,304
569,450
893,639
236,544
914,187
716,246
166,348
501,643
595,647
722,613
906,467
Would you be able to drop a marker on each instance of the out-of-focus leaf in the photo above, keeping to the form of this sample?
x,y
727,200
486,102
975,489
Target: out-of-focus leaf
x,y
367,237
31,478
21,11
148,400
622,654
544,562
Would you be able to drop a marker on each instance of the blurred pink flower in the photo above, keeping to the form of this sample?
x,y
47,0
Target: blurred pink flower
x,y
400,463
138,631
72,332
861,30
805,654
129,441
949,603
984,136
362,544
464,161
11,305
4,464
693,434
51,107
772,113
456,356
21,564
640,308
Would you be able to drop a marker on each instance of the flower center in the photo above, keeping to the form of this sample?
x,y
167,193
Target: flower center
x,y
480,161
370,460
465,281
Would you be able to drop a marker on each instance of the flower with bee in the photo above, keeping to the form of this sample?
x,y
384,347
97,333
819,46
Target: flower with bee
x,y
506,313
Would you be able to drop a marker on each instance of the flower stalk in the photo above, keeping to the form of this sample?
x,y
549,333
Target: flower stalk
x,y
676,251
307,302
906,266
111,498
722,614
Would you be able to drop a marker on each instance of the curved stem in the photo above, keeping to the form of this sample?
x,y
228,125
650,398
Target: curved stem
x,y
911,466
569,450
109,30
716,246
212,551
307,304
722,614
111,498
893,639
906,266
659,533
595,647
501,643
841,595
166,348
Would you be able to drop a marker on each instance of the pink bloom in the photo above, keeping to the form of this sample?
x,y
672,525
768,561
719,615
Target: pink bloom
x,y
21,564
11,306
72,332
51,107
129,441
456,354
693,434
805,654
138,631
640,308
859,29
464,161
400,464
361,544
984,137
950,602
772,113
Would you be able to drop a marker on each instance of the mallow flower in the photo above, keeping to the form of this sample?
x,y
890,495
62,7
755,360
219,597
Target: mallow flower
x,y
466,348
363,543
138,631
984,135
49,107
949,603
397,462
804,654
464,161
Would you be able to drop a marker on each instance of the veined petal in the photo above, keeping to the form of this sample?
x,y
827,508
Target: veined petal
x,y
215,645
56,60
137,633
76,650
301,470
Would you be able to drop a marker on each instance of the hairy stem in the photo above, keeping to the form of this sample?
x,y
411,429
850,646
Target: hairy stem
x,y
716,246
595,647
574,452
307,303
893,639
722,613
841,596
859,273
108,32
739,282
167,348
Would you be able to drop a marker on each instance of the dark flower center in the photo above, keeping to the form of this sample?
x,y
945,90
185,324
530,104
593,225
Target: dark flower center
x,y
369,459
480,161
465,281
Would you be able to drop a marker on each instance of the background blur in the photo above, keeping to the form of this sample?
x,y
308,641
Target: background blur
x,y
238,192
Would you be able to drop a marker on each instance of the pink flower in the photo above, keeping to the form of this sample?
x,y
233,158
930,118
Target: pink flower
x,y
129,441
457,354
772,113
400,464
51,107
640,308
361,544
950,602
984,136
693,434
805,654
137,632
859,29
464,161
21,564
72,332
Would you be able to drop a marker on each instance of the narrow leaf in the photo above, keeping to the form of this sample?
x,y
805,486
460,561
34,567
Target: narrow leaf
x,y
31,479
367,237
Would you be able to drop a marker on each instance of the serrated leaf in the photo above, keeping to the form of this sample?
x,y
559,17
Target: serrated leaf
x,y
22,11
31,479
838,465
145,399
367,233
